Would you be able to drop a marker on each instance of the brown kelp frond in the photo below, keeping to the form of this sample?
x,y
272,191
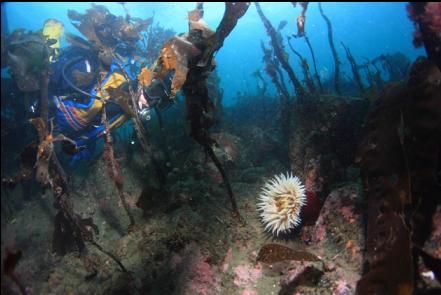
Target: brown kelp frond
x,y
174,56
301,19
316,75
261,84
270,69
78,41
105,30
334,51
233,12
401,187
145,77
280,53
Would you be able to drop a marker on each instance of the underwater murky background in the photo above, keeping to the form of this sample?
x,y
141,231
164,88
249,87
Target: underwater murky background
x,y
273,181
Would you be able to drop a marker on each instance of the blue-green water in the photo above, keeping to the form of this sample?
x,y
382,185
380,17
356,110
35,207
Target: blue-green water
x,y
368,29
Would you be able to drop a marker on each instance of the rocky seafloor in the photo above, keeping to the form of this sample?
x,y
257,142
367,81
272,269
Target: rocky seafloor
x,y
185,240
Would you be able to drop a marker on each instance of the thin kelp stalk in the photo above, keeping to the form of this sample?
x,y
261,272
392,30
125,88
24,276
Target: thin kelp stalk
x,y
354,68
261,80
233,12
71,227
195,87
139,129
280,53
113,166
301,19
44,83
279,71
271,70
334,52
305,68
317,76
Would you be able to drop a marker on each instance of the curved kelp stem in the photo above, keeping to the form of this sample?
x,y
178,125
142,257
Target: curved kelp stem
x,y
334,52
195,87
317,76
113,166
280,53
198,104
354,68
305,68
271,70
113,257
208,149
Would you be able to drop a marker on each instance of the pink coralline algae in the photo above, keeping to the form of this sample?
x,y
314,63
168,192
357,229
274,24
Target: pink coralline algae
x,y
227,260
341,288
348,213
294,272
175,261
249,292
203,279
247,275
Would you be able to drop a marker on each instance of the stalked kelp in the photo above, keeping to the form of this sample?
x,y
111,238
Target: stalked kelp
x,y
195,89
305,68
354,68
191,58
333,50
113,167
308,122
280,53
301,19
273,72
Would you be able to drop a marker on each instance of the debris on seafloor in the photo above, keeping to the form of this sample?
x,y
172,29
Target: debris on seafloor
x,y
272,253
